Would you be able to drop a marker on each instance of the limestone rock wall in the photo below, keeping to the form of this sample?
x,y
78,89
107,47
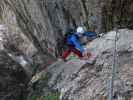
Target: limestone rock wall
x,y
79,81
45,21
36,27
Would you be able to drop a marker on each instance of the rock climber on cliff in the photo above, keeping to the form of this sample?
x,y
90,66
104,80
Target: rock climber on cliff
x,y
73,43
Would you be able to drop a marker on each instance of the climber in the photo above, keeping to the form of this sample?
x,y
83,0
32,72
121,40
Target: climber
x,y
74,45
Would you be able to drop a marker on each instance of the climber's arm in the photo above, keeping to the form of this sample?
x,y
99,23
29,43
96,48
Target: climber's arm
x,y
90,34
77,45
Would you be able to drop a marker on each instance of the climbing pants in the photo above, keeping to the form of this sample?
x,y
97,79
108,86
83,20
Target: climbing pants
x,y
70,49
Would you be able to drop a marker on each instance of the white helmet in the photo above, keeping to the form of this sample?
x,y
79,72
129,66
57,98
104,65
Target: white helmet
x,y
80,30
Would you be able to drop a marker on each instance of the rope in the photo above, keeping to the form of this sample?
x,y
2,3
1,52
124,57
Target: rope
x,y
111,83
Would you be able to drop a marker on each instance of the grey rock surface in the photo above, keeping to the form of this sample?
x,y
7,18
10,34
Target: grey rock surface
x,y
45,21
36,28
79,81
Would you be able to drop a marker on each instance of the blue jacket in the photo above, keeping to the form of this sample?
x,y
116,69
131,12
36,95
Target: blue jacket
x,y
90,34
73,40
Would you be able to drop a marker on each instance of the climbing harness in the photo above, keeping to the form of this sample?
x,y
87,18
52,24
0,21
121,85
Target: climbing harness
x,y
114,67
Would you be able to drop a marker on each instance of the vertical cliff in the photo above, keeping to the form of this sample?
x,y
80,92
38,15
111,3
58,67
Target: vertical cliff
x,y
45,21
34,29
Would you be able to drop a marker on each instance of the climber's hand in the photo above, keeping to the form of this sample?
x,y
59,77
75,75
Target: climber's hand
x,y
86,55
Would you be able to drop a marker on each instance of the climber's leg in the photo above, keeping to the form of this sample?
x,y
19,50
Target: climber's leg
x,y
77,52
65,54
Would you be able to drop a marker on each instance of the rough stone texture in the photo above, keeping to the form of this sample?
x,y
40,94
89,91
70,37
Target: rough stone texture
x,y
14,75
17,64
45,21
36,28
13,79
77,81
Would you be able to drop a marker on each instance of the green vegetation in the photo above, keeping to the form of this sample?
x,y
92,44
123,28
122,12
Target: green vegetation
x,y
45,77
87,25
34,97
42,91
49,96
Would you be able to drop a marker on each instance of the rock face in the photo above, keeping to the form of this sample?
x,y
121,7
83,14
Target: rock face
x,y
13,79
45,21
91,81
34,31
14,76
